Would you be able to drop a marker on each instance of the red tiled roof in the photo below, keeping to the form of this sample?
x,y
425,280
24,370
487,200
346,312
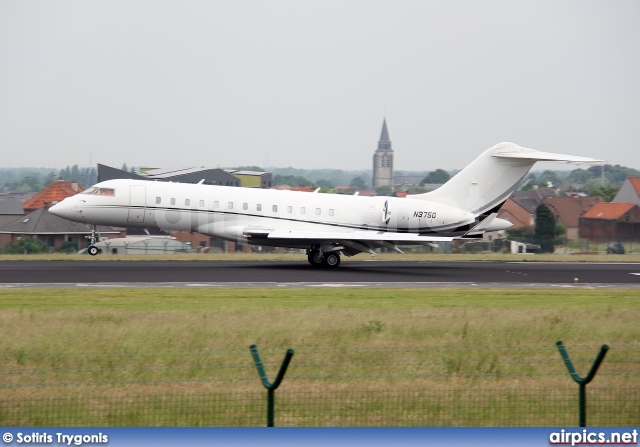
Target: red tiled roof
x,y
55,192
606,210
635,182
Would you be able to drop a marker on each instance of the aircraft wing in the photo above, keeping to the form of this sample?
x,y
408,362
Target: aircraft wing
x,y
349,243
357,236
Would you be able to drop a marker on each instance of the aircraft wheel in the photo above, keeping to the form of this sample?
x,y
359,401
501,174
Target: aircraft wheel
x,y
331,259
93,250
315,258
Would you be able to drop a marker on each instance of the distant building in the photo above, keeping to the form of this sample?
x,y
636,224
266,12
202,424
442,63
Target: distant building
x,y
11,205
209,176
629,191
36,222
52,230
568,210
142,245
383,160
54,193
517,212
606,222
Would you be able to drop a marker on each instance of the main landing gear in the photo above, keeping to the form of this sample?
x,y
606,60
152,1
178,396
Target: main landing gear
x,y
92,249
327,259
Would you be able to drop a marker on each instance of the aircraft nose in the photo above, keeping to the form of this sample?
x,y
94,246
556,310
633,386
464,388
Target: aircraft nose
x,y
62,210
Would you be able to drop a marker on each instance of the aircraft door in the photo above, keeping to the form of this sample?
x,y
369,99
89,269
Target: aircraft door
x,y
137,197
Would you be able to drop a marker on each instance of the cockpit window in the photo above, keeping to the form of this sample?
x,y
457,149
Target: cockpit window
x,y
100,191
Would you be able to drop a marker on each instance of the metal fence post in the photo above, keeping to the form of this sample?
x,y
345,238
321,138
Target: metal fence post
x,y
582,381
271,387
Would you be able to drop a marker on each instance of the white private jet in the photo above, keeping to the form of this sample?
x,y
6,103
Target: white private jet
x,y
326,225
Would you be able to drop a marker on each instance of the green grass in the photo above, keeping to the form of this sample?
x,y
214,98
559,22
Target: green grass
x,y
363,356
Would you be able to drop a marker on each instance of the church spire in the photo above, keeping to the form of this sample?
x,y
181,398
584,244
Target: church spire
x,y
383,159
384,144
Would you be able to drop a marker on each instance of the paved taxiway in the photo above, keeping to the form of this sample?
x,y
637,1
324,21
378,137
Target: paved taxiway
x,y
299,274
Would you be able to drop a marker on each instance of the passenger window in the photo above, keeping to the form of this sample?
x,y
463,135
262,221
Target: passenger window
x,y
330,212
173,201
230,205
289,209
303,210
187,202
318,212
201,204
274,208
245,206
158,200
216,204
259,207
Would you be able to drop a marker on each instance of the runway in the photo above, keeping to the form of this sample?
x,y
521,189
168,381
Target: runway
x,y
413,274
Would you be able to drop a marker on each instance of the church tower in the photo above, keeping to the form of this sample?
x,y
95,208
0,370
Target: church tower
x,y
383,160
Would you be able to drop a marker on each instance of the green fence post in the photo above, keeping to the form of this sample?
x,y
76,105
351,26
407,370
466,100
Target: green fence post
x,y
582,381
271,387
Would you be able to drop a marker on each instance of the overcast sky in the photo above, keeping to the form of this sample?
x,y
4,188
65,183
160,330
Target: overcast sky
x,y
307,83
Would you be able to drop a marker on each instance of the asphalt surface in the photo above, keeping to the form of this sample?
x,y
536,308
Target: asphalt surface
x,y
301,274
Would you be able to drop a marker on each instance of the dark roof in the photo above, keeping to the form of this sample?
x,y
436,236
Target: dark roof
x,y
212,176
11,203
528,203
109,173
43,222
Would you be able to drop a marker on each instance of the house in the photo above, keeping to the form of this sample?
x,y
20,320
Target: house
x,y
606,222
54,193
518,212
567,211
629,191
36,222
56,232
210,176
11,205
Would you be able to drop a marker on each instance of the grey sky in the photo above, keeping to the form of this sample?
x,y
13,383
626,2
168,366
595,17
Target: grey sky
x,y
307,83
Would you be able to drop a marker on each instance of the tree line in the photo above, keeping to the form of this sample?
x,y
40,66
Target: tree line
x,y
36,179
595,181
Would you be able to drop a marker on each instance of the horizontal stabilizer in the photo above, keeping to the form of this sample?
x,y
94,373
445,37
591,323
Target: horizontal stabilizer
x,y
510,150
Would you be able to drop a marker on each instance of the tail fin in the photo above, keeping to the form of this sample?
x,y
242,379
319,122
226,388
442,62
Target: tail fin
x,y
484,185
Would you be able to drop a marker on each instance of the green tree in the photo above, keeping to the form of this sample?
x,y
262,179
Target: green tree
x,y
437,176
614,174
27,245
417,190
384,191
595,188
291,180
359,183
579,176
545,229
551,177
249,168
324,184
535,183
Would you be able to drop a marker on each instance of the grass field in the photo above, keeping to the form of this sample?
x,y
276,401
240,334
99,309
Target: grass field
x,y
363,356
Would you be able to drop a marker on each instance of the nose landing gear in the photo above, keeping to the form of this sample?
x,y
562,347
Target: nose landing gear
x,y
95,235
